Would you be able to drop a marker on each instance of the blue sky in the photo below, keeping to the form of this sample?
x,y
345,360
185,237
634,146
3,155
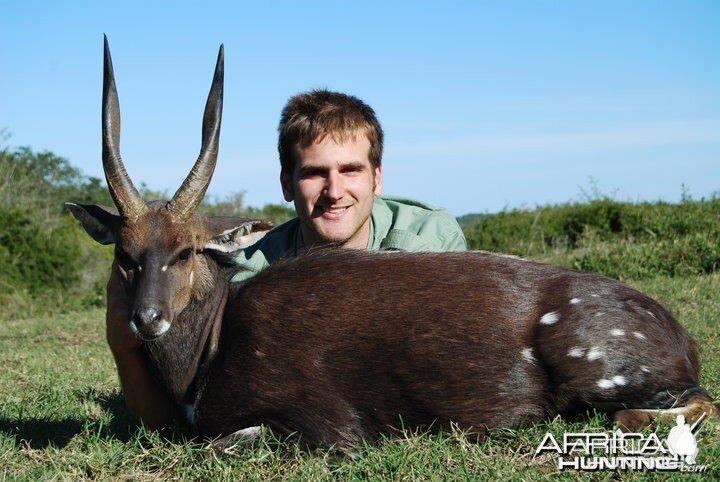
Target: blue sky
x,y
485,105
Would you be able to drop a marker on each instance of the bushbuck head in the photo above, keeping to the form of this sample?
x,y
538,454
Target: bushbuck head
x,y
160,246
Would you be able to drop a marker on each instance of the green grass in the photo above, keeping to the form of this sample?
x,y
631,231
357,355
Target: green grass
x,y
62,417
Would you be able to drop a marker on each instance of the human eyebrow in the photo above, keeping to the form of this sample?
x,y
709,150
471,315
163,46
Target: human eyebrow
x,y
353,166
307,171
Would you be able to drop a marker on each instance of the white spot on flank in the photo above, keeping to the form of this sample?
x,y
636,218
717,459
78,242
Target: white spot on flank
x,y
651,314
164,268
639,335
595,296
645,369
575,301
617,332
527,354
619,380
576,352
139,268
599,313
604,383
550,318
595,353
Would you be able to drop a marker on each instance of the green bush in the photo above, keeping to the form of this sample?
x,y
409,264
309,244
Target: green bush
x,y
621,240
35,260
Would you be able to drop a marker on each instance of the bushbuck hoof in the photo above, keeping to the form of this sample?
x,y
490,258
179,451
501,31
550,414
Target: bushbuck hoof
x,y
632,420
242,439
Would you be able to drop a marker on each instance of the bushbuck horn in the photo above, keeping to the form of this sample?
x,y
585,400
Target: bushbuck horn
x,y
191,193
127,199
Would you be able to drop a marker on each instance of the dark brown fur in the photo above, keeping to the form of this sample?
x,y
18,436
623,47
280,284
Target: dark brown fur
x,y
341,346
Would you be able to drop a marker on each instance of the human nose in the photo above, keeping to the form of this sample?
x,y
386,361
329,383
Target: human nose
x,y
334,188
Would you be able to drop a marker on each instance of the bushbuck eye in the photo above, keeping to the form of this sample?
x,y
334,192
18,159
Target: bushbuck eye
x,y
125,260
185,254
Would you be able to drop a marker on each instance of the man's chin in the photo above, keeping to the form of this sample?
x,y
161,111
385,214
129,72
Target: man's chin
x,y
333,239
334,233
338,237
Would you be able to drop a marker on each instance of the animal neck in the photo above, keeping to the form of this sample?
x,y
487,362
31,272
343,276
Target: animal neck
x,y
180,358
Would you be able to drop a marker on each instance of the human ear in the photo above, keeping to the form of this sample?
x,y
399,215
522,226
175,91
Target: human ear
x,y
378,182
287,187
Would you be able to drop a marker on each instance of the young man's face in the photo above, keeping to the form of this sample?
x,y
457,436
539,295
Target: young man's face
x,y
333,186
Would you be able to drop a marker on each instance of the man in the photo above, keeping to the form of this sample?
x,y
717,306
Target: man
x,y
330,148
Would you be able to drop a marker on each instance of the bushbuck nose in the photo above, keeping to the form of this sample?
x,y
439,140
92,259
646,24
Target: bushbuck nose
x,y
146,315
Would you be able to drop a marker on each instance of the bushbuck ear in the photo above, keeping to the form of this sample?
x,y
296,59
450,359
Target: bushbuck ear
x,y
100,222
239,237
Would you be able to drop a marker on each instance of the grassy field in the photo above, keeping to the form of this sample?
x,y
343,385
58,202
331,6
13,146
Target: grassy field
x,y
62,417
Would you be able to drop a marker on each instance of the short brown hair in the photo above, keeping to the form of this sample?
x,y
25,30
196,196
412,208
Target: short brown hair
x,y
311,116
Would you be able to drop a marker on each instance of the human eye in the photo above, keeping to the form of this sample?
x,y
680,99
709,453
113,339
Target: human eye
x,y
352,170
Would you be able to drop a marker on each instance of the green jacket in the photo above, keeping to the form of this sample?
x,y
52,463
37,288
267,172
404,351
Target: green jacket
x,y
395,223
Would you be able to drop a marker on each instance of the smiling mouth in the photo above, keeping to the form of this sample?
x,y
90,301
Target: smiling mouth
x,y
333,212
336,210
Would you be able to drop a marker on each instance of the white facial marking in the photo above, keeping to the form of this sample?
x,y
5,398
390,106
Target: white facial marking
x,y
550,318
164,268
619,380
605,383
576,352
639,335
192,276
164,326
527,354
594,353
575,301
617,332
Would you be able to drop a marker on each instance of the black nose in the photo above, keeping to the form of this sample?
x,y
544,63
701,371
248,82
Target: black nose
x,y
146,315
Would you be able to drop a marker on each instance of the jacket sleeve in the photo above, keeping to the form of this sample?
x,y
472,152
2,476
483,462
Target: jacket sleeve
x,y
449,233
251,265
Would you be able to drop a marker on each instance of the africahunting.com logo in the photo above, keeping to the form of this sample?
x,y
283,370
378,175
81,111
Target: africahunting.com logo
x,y
594,451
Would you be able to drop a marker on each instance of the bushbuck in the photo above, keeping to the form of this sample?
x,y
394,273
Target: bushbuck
x,y
336,346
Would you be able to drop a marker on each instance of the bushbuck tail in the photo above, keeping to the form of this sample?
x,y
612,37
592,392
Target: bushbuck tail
x,y
337,346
